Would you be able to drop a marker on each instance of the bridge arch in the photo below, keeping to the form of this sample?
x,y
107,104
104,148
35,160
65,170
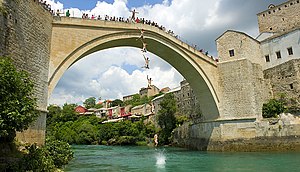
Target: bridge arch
x,y
182,59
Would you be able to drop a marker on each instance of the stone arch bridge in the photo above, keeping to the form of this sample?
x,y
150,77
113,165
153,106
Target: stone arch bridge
x,y
74,38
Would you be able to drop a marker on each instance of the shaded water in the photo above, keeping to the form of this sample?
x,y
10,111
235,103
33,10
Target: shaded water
x,y
115,158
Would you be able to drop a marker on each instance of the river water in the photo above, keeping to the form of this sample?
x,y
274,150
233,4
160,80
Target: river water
x,y
167,159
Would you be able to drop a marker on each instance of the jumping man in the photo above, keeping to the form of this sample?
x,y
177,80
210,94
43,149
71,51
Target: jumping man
x,y
144,49
149,81
146,63
142,34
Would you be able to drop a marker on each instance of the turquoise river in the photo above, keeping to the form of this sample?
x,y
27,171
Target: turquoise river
x,y
148,159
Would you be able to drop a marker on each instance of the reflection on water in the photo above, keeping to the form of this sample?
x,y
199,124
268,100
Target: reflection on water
x,y
95,158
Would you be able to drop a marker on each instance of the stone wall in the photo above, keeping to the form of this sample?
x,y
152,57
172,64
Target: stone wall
x,y
244,89
25,37
240,135
241,45
285,79
280,18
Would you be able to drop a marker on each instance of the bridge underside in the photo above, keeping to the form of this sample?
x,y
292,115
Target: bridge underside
x,y
199,71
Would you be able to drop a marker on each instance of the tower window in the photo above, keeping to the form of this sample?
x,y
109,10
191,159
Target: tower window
x,y
291,86
290,51
278,54
267,57
231,53
271,28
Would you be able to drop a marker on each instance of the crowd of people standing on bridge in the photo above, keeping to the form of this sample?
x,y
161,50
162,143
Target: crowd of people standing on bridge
x,y
132,19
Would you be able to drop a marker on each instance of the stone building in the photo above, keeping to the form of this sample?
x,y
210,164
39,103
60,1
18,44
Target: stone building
x,y
185,99
127,98
150,91
280,18
275,52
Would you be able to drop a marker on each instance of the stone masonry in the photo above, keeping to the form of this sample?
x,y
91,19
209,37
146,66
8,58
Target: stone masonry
x,y
280,18
25,37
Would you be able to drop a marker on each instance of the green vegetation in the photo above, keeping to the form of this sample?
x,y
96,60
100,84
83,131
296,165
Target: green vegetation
x,y
137,100
3,11
17,112
55,154
166,118
17,105
117,102
75,129
90,102
273,108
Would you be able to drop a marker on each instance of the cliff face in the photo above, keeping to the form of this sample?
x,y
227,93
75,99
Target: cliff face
x,y
25,36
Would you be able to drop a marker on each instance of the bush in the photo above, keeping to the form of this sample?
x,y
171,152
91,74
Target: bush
x,y
17,105
59,151
272,108
36,159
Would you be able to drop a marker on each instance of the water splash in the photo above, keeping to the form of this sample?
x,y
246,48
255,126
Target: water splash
x,y
160,159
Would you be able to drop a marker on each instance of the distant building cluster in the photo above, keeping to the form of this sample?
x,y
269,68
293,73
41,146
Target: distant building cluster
x,y
184,95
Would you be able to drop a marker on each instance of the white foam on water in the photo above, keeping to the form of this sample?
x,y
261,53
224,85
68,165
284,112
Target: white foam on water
x,y
160,159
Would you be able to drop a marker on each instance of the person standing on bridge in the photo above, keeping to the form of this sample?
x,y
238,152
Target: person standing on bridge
x,y
133,15
68,13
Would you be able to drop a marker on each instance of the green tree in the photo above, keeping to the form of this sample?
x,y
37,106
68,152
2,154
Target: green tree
x,y
117,102
89,102
98,106
273,108
166,117
17,104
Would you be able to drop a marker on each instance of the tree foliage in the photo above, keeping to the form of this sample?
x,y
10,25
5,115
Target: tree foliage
x,y
138,100
272,108
17,104
166,117
90,130
89,102
117,102
55,154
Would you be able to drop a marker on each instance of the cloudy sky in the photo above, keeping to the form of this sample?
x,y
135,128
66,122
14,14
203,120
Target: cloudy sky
x,y
114,73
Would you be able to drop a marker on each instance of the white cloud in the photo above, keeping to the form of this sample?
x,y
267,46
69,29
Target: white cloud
x,y
103,74
55,5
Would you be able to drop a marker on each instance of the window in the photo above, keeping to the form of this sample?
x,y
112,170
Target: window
x,y
269,12
278,54
279,8
291,86
271,28
231,53
267,58
290,51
